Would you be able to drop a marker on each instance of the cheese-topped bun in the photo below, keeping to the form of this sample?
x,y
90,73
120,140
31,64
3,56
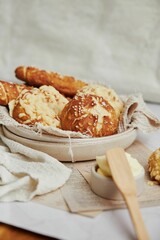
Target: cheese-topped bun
x,y
107,93
154,165
38,105
90,115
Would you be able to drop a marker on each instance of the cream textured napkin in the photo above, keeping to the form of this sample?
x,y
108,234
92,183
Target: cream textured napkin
x,y
25,173
136,114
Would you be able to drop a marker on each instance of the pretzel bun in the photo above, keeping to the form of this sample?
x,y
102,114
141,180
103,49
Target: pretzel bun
x,y
90,115
154,165
107,93
38,105
10,91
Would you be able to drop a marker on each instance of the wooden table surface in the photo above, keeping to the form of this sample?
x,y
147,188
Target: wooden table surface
x,y
8,232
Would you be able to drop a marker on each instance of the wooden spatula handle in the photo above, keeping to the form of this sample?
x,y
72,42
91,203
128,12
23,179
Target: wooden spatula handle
x,y
136,217
123,178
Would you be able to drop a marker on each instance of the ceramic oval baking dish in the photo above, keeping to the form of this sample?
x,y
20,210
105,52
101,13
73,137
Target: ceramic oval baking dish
x,y
68,150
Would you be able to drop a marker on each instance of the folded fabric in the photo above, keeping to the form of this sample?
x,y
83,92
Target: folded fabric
x,y
25,173
137,115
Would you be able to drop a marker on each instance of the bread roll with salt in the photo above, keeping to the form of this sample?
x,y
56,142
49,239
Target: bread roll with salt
x,y
39,105
89,114
154,165
107,93
10,91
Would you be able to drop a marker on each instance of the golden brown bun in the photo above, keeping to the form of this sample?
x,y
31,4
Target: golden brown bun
x,y
90,115
10,91
107,93
38,105
66,85
154,165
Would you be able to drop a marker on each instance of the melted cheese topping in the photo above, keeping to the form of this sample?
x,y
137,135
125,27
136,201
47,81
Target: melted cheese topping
x,y
107,93
99,111
45,103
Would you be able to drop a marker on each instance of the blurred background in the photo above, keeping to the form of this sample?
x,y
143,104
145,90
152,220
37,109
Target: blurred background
x,y
111,42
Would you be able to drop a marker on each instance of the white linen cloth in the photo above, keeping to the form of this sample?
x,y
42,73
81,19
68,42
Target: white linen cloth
x,y
136,114
25,173
116,43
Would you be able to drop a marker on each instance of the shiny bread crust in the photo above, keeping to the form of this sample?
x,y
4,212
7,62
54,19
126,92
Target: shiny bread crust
x,y
66,85
154,165
90,115
10,91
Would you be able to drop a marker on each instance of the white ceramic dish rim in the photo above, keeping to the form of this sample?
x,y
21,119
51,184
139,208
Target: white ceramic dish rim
x,y
75,150
55,139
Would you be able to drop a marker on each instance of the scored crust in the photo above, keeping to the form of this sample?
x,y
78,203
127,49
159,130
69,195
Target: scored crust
x,y
90,115
38,105
66,85
10,91
107,93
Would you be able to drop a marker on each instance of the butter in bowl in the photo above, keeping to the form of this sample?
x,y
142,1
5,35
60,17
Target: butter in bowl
x,y
101,178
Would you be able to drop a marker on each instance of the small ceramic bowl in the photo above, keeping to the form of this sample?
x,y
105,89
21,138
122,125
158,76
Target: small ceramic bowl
x,y
106,188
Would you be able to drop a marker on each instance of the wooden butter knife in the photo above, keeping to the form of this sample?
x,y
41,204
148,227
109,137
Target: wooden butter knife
x,y
124,180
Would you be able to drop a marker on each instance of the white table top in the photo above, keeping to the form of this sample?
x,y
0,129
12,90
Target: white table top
x,y
113,224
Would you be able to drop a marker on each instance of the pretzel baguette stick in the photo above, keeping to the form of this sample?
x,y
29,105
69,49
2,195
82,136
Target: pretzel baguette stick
x,y
10,91
35,77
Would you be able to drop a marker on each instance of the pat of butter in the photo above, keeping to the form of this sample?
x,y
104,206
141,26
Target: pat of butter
x,y
103,166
